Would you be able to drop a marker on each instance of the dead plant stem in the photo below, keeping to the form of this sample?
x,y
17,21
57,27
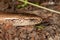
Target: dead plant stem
x,y
41,7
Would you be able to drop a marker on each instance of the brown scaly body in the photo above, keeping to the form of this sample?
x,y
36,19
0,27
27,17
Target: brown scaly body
x,y
19,19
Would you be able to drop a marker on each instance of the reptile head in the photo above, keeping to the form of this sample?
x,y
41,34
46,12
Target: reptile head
x,y
29,21
20,20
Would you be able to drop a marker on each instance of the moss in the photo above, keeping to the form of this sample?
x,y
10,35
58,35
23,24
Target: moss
x,y
23,5
40,27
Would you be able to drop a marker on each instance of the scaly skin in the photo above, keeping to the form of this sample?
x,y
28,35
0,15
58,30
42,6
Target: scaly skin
x,y
19,19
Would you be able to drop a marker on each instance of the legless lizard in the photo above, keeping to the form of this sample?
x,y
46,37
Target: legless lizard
x,y
19,19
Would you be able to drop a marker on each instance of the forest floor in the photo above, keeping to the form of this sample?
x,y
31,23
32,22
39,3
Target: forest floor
x,y
49,30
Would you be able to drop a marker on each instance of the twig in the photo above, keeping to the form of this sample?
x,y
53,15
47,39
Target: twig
x,y
41,7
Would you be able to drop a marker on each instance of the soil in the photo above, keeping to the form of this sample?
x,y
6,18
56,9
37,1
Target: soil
x,y
51,22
